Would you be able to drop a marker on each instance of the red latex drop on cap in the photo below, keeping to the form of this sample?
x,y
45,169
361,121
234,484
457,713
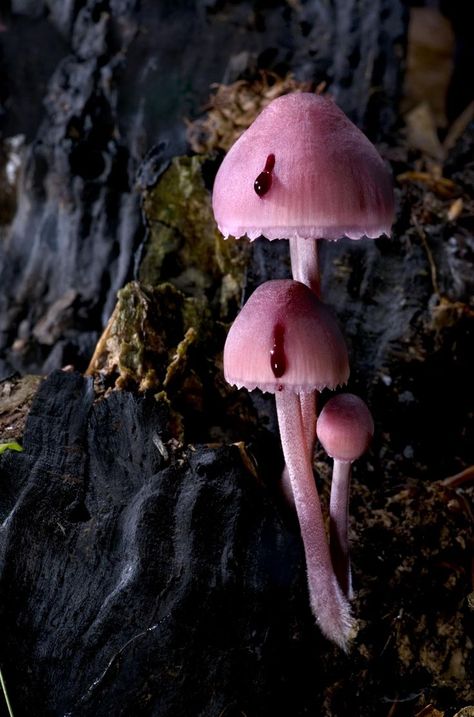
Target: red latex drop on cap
x,y
277,353
263,183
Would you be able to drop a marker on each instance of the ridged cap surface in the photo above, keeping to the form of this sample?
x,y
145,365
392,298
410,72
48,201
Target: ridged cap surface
x,y
285,338
328,180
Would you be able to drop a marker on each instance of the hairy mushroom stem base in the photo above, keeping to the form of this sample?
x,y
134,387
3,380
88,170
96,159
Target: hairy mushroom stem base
x,y
328,602
338,524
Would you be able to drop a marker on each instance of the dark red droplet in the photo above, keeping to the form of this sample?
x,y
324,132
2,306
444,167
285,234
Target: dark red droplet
x,y
270,163
277,353
263,183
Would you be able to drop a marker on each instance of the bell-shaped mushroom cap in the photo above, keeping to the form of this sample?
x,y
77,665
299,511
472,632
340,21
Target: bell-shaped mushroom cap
x,y
327,178
285,338
345,427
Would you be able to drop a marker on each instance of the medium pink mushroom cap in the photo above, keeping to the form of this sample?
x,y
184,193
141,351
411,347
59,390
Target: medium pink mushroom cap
x,y
345,427
285,338
327,178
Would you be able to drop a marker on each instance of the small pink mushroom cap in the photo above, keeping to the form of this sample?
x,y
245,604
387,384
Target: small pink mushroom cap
x,y
285,338
345,427
327,178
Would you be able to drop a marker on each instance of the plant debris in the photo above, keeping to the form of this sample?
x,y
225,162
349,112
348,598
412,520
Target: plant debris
x,y
232,109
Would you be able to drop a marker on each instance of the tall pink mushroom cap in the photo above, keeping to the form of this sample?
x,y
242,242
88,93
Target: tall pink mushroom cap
x,y
317,174
285,338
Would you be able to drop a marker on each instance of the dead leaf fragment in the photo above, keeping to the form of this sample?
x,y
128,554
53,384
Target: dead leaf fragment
x,y
455,209
441,186
429,711
465,712
422,133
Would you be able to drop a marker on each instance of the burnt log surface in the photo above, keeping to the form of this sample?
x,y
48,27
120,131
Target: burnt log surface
x,y
135,585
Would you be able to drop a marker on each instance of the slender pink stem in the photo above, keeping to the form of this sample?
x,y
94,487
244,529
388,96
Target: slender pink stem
x,y
304,255
328,603
305,263
308,414
338,525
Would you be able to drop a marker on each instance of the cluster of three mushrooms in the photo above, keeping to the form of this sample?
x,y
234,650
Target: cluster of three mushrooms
x,y
303,171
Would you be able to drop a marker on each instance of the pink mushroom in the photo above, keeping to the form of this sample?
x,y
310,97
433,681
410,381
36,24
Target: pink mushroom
x,y
287,342
345,430
303,171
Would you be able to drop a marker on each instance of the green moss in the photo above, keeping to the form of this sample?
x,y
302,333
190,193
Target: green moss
x,y
184,245
12,446
150,328
164,241
168,328
16,396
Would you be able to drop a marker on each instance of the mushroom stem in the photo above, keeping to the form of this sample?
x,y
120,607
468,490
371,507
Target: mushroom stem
x,y
305,263
308,415
328,603
338,524
305,268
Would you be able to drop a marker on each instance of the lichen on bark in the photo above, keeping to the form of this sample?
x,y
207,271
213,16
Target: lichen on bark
x,y
183,244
